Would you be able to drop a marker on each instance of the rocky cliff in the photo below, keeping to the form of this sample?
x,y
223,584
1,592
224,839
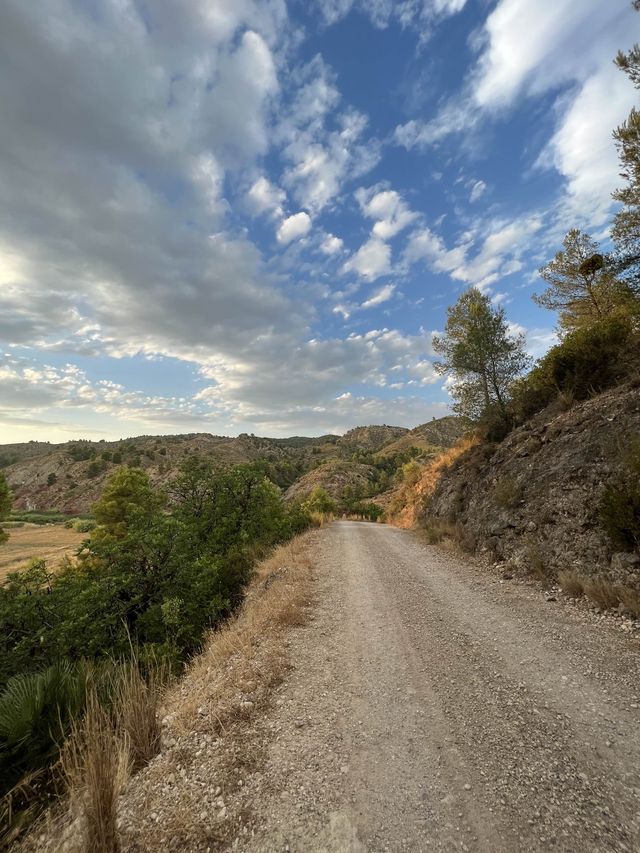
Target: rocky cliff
x,y
532,501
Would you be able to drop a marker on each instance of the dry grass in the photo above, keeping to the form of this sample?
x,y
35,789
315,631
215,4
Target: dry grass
x,y
221,689
409,502
571,583
136,703
602,592
95,765
246,656
50,542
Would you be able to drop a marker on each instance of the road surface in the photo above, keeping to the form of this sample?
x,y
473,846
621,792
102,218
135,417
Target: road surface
x,y
433,707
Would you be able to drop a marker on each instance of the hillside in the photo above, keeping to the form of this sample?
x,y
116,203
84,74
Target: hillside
x,y
69,477
533,503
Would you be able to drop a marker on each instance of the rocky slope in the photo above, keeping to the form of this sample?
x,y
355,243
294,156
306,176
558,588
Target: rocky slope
x,y
333,477
533,500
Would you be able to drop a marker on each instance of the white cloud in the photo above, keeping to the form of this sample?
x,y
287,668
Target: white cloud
x,y
372,259
263,197
331,245
294,227
583,149
384,294
388,208
477,190
420,14
535,49
497,252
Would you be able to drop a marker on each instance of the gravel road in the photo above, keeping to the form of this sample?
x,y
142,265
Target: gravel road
x,y
433,707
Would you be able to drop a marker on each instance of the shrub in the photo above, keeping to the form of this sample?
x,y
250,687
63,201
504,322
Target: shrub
x,y
619,507
507,492
602,592
52,479
36,710
571,583
585,362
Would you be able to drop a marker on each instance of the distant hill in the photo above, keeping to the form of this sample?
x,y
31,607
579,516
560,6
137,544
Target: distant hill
x,y
69,477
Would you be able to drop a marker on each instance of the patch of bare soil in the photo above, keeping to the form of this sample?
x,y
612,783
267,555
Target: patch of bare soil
x,y
50,542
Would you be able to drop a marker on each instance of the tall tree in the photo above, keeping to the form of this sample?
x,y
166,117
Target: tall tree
x,y
626,222
582,286
480,354
5,505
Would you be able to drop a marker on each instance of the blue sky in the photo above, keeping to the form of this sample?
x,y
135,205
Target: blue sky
x,y
243,215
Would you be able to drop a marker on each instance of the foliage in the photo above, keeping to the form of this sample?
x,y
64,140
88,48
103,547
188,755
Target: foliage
x,y
582,285
81,451
480,354
128,493
626,222
619,507
507,492
320,501
35,713
587,361
139,561
52,479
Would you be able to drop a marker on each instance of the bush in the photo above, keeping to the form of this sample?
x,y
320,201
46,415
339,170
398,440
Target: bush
x,y
507,492
585,362
52,479
619,508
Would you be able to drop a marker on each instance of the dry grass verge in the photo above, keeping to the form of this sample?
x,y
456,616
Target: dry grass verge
x,y
175,802
602,592
183,798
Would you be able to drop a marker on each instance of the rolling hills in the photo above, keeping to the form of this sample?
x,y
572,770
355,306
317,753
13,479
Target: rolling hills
x,y
69,477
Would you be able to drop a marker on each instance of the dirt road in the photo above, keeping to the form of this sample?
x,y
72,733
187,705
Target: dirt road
x,y
432,707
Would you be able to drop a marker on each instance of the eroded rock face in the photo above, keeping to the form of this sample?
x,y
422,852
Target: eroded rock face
x,y
533,499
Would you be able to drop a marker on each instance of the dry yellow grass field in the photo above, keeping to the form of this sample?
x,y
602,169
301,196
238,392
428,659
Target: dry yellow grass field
x,y
50,542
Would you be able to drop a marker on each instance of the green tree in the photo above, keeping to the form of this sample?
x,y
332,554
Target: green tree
x,y
626,222
5,505
127,493
320,501
582,286
481,355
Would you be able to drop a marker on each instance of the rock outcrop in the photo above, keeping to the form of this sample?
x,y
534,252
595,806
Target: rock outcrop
x,y
533,500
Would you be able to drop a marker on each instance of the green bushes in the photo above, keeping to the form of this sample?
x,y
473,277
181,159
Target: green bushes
x,y
35,713
147,557
585,362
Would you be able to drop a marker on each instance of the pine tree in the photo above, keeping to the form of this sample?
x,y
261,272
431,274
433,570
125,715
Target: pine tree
x,y
481,356
626,223
582,286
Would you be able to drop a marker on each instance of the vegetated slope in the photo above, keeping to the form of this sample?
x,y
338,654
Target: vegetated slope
x,y
534,500
70,477
438,433
333,477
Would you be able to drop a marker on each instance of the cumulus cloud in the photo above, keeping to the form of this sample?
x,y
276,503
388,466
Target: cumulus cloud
x,y
265,198
371,260
322,150
388,208
331,245
526,52
294,227
479,260
420,14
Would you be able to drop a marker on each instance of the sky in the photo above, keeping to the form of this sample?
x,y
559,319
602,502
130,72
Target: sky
x,y
238,216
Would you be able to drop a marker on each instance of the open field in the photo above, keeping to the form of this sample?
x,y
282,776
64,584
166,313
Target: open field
x,y
49,542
